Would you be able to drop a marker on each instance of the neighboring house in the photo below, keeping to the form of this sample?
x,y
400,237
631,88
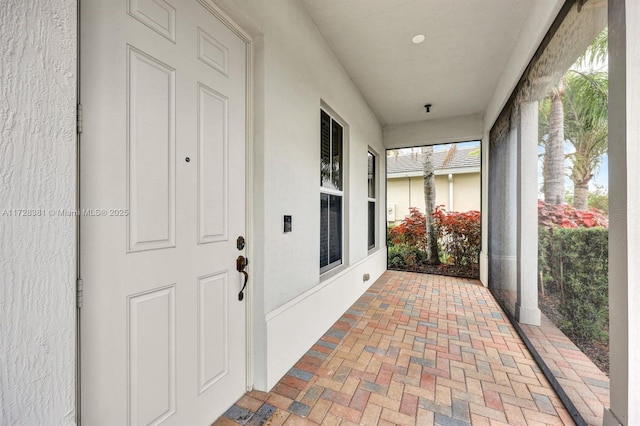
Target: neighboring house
x,y
205,121
457,181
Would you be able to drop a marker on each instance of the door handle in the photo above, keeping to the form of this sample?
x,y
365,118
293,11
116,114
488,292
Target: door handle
x,y
241,264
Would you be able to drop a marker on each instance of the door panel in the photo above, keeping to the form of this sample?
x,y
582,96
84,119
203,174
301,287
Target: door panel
x,y
213,327
163,86
152,356
158,15
212,52
213,176
151,151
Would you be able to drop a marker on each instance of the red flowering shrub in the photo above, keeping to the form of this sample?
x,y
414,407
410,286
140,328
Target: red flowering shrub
x,y
565,216
459,235
412,231
458,241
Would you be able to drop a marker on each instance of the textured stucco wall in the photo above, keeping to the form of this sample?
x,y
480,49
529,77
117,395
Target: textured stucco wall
x,y
37,171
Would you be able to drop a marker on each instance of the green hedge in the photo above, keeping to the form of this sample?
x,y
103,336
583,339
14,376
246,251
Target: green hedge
x,y
574,263
405,257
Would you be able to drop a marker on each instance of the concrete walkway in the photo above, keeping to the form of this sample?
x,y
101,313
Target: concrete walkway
x,y
413,350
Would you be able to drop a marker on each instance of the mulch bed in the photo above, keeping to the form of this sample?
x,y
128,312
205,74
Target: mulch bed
x,y
442,269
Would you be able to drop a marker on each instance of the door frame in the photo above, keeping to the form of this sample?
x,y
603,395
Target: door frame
x,y
249,219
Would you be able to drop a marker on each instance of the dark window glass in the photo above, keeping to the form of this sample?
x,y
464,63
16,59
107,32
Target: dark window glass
x,y
331,151
372,224
330,230
336,154
324,226
335,228
325,149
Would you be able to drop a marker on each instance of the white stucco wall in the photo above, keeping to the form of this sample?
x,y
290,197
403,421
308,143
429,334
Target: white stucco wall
x,y
295,71
431,132
37,171
300,72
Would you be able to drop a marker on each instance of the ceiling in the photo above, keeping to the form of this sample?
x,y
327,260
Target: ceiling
x,y
456,69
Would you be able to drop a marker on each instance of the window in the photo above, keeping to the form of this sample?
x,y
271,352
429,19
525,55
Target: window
x,y
371,175
331,192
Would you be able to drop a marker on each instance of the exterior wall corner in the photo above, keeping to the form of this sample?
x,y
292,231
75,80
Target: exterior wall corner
x,y
37,242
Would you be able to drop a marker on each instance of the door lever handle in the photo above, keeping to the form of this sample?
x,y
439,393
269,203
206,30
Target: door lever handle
x,y
246,278
241,264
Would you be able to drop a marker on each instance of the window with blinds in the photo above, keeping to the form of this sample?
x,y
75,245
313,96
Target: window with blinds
x,y
371,200
331,192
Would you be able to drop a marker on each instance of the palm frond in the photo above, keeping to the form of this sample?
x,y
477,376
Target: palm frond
x,y
597,53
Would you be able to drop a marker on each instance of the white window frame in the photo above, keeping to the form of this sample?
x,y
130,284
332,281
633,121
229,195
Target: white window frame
x,y
332,191
373,200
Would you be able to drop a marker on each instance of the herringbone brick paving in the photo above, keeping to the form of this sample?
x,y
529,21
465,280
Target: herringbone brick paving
x,y
413,350
586,386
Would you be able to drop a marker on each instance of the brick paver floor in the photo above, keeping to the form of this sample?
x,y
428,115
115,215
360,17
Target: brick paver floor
x,y
413,350
586,386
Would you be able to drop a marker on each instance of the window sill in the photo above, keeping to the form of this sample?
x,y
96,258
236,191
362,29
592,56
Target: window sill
x,y
331,273
375,250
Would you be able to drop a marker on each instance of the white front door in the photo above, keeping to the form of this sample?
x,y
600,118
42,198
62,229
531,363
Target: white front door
x,y
163,86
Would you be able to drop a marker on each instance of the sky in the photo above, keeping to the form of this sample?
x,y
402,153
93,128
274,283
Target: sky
x,y
472,144
442,147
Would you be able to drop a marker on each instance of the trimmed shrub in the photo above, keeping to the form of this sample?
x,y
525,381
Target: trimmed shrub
x,y
405,257
575,263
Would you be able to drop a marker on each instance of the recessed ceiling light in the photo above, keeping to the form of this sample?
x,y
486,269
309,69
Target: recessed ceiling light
x,y
418,38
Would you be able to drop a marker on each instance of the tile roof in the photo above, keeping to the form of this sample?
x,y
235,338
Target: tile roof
x,y
412,162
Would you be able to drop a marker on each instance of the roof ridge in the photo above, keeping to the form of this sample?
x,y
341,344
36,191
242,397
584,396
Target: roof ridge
x,y
412,161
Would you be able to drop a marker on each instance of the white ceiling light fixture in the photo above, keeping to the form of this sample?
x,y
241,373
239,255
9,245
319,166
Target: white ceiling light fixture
x,y
418,38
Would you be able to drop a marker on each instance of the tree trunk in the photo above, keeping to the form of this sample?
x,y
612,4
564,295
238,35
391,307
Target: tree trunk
x,y
430,205
580,195
554,152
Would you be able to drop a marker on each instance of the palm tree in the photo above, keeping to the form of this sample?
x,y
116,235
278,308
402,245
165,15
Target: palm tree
x,y
583,126
553,167
587,119
586,127
430,204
